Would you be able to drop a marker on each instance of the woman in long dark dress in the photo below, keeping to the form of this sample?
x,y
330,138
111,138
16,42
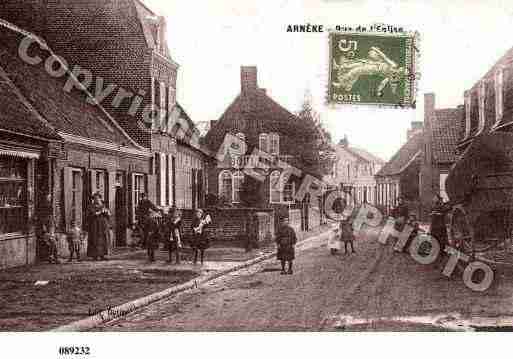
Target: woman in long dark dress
x,y
200,240
98,229
286,240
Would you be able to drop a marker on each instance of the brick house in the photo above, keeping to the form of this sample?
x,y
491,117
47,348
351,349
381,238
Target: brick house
x,y
488,105
481,177
355,168
442,131
87,152
262,123
399,177
123,44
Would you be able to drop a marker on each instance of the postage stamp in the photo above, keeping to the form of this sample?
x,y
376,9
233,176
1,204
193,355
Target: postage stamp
x,y
373,69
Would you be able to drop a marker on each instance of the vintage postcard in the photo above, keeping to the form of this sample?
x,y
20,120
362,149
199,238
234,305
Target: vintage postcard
x,y
257,166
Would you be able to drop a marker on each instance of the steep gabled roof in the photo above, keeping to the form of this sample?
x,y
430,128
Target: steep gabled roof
x,y
408,153
17,114
364,155
248,108
65,112
444,134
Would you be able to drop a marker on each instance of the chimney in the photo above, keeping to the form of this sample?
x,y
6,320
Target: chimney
x,y
429,108
248,79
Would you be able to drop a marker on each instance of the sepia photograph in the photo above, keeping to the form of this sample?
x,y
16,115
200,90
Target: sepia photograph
x,y
260,166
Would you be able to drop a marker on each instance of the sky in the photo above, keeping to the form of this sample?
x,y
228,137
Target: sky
x,y
211,39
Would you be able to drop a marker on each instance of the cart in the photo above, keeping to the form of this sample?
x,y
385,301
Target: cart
x,y
480,189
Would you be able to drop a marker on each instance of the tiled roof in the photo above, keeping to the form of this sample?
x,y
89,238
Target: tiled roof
x,y
444,134
247,108
17,115
65,112
403,157
365,155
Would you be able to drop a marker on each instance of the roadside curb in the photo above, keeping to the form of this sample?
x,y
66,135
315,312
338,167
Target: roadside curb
x,y
123,309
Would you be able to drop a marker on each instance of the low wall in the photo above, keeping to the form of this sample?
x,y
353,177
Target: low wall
x,y
235,224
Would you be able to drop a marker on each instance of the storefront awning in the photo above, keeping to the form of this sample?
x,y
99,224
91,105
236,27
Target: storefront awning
x,y
19,153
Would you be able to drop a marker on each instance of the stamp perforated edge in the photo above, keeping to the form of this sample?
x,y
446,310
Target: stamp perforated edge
x,y
412,62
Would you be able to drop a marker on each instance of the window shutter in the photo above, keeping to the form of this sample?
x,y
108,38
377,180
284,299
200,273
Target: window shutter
x,y
131,196
68,182
111,189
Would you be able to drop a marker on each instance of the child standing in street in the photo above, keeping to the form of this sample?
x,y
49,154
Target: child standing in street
x,y
346,234
74,241
286,240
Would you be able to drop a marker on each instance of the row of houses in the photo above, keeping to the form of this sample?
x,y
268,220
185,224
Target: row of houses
x,y
421,166
61,141
354,171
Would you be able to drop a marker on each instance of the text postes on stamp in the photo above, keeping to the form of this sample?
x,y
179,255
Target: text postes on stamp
x,y
375,69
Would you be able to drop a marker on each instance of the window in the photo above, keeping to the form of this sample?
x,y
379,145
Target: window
x,y
138,187
274,187
225,185
289,192
76,197
499,104
443,193
481,95
162,102
98,180
238,179
13,198
467,113
263,142
274,144
286,195
171,99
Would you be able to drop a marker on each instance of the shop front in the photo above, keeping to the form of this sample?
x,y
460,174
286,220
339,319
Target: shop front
x,y
17,237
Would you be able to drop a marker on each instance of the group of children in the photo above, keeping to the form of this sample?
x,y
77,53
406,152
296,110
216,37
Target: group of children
x,y
74,239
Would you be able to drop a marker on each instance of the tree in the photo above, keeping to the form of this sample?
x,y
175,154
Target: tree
x,y
318,152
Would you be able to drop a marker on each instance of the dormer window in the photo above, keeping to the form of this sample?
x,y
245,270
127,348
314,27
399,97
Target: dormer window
x,y
263,142
499,99
481,98
274,142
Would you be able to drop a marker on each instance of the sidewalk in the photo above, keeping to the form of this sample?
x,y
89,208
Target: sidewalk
x,y
72,291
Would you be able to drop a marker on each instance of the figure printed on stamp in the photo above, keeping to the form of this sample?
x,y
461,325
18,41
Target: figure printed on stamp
x,y
377,63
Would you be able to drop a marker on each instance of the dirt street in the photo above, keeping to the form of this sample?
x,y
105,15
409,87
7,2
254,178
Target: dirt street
x,y
374,289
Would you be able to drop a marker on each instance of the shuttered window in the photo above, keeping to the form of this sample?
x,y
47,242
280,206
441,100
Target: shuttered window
x,y
73,199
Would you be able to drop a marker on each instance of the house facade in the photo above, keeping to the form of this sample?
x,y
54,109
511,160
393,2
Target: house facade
x,y
85,151
488,105
442,131
355,168
399,177
118,49
262,124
